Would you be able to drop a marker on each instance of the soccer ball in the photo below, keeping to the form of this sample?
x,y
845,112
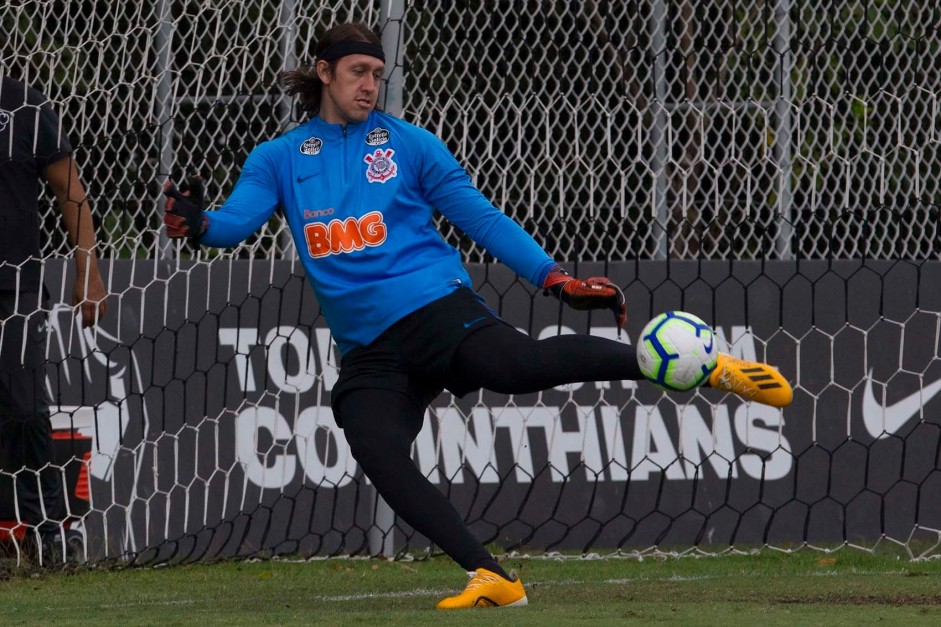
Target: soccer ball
x,y
677,351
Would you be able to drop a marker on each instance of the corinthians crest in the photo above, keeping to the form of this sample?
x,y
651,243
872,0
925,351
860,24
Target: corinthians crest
x,y
381,166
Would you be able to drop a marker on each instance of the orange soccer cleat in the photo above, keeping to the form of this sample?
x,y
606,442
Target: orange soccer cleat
x,y
752,380
487,589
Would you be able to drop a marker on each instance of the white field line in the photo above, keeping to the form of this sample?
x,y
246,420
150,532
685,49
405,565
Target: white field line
x,y
566,582
531,584
438,592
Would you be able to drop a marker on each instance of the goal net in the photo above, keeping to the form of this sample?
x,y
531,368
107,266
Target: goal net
x,y
770,166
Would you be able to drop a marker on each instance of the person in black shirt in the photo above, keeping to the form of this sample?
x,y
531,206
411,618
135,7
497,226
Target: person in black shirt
x,y
34,149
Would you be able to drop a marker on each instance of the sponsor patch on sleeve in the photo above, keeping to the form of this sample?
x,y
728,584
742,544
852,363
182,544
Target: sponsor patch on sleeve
x,y
377,137
311,146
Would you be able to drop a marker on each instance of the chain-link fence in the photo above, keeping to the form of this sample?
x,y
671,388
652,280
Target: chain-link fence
x,y
611,130
614,132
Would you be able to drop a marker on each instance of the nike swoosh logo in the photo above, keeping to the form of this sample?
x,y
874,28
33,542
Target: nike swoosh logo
x,y
883,420
468,325
708,347
301,179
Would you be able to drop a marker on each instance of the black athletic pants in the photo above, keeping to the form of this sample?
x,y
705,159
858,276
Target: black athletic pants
x,y
25,431
381,424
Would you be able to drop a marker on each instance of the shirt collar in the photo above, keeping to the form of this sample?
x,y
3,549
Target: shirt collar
x,y
335,131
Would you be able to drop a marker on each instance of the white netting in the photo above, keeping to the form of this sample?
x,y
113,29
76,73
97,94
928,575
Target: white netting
x,y
614,131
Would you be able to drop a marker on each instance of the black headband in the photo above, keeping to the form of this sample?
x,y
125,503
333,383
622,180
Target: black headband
x,y
344,48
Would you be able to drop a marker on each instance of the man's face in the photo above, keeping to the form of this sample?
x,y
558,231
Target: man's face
x,y
351,90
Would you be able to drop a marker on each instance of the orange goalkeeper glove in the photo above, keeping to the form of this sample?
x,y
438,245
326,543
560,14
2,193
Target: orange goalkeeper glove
x,y
594,293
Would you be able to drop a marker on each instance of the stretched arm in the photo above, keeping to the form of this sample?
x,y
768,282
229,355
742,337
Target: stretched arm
x,y
247,208
448,188
88,291
451,191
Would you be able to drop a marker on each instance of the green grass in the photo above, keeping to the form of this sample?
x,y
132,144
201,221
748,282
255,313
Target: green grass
x,y
806,588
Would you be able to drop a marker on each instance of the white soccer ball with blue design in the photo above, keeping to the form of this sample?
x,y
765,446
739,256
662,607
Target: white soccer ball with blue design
x,y
677,351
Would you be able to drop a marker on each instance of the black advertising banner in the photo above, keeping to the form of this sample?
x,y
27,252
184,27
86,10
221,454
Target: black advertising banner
x,y
206,395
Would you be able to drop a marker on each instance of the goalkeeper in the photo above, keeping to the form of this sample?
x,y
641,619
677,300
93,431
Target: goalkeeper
x,y
359,189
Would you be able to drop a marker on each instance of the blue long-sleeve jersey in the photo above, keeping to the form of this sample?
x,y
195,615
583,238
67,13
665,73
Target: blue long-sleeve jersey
x,y
360,201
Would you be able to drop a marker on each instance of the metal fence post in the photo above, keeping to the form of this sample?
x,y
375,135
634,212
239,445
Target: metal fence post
x,y
783,140
658,128
286,20
163,111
